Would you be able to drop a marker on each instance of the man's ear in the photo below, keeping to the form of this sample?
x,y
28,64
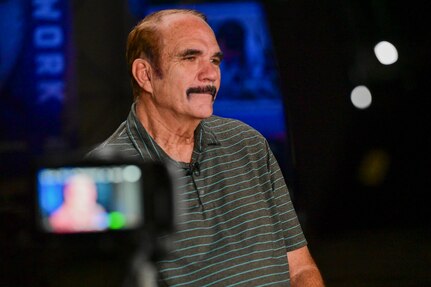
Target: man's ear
x,y
141,71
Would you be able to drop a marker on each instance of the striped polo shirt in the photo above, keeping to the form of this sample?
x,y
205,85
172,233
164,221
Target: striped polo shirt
x,y
237,221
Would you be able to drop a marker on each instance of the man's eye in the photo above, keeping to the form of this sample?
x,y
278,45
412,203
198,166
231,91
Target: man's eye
x,y
190,58
216,61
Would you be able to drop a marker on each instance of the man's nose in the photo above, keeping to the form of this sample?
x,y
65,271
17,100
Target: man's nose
x,y
209,72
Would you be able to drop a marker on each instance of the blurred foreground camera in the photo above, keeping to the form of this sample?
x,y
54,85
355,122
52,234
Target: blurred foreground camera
x,y
100,196
116,214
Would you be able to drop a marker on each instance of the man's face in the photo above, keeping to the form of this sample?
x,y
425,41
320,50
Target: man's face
x,y
190,60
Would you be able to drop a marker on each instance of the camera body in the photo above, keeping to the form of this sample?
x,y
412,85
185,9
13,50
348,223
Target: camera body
x,y
95,196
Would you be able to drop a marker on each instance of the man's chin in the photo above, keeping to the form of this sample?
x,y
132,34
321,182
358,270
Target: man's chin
x,y
201,100
204,112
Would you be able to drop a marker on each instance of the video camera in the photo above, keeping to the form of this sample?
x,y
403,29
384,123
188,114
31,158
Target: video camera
x,y
101,196
85,206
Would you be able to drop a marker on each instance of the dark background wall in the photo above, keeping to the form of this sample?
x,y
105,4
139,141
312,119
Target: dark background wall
x,y
362,233
325,50
103,86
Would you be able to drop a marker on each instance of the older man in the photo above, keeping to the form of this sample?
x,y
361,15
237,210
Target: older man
x,y
239,227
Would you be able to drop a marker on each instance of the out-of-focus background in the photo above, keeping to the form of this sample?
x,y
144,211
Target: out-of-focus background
x,y
339,89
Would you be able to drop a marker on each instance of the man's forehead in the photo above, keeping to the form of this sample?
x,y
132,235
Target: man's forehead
x,y
185,31
178,21
179,17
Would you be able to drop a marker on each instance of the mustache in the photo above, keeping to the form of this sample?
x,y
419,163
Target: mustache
x,y
209,89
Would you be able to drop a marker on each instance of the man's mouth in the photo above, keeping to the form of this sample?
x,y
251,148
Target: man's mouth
x,y
211,90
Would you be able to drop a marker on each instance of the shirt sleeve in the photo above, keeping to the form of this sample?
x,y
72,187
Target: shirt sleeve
x,y
294,237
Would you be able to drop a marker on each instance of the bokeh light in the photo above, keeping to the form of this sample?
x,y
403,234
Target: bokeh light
x,y
386,53
361,97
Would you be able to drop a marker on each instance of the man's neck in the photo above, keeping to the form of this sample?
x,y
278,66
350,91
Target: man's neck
x,y
174,135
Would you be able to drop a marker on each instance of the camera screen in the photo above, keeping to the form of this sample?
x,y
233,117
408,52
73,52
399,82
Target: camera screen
x,y
89,199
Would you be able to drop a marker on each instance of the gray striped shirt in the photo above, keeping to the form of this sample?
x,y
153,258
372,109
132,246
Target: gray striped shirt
x,y
238,218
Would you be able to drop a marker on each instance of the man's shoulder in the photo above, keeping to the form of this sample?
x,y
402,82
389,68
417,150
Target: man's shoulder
x,y
222,125
119,143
